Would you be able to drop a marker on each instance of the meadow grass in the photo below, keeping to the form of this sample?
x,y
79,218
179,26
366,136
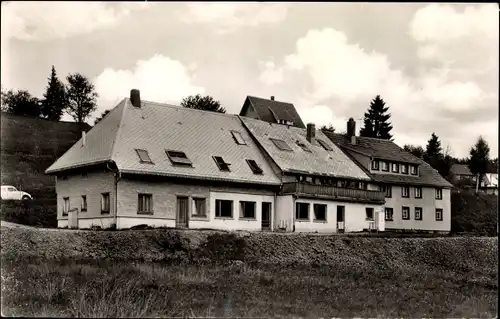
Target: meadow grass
x,y
138,289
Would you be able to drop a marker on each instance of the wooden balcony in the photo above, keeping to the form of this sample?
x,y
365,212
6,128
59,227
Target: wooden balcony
x,y
332,192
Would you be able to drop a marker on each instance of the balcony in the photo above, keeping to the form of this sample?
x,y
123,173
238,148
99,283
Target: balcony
x,y
332,192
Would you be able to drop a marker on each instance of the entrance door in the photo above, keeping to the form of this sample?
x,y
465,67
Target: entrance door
x,y
340,218
181,220
266,216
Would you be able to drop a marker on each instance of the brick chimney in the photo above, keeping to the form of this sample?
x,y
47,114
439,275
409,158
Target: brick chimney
x,y
272,97
311,133
351,130
135,97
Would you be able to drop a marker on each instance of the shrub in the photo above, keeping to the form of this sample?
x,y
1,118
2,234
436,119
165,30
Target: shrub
x,y
39,213
222,248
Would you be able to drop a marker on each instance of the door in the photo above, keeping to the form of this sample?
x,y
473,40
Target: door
x,y
266,216
181,220
340,218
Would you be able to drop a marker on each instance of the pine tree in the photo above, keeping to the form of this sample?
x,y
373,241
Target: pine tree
x,y
376,121
479,158
54,99
434,153
82,98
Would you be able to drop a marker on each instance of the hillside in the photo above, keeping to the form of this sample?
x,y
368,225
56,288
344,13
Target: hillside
x,y
29,146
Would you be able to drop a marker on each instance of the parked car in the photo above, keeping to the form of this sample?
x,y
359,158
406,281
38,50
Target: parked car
x,y
10,192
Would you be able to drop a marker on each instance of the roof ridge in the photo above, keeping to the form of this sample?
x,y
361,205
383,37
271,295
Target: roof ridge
x,y
187,109
117,135
257,97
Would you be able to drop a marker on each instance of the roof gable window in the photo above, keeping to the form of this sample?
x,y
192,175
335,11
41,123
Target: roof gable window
x,y
303,146
223,166
238,138
143,156
177,157
254,166
282,145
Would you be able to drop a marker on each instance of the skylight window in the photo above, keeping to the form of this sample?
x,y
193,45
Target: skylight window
x,y
179,158
325,146
303,146
282,145
254,166
223,166
238,138
143,156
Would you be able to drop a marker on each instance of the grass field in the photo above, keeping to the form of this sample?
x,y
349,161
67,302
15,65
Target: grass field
x,y
204,274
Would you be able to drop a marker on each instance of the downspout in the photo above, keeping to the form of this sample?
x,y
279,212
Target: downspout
x,y
117,176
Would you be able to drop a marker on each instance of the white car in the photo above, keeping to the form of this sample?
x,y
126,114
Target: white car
x,y
10,192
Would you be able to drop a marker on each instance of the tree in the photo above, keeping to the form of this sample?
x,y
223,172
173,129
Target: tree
x,y
328,128
20,103
82,98
376,121
199,102
479,158
103,114
418,151
54,102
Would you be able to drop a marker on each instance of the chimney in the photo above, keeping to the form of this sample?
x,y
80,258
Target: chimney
x,y
311,133
272,97
351,130
135,97
84,138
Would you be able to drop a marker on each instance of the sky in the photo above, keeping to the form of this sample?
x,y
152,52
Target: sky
x,y
435,65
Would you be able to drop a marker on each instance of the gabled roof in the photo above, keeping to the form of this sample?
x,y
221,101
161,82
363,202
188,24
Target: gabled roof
x,y
460,169
316,162
388,150
272,111
158,127
374,147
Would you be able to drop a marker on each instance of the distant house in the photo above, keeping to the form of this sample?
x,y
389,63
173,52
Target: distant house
x,y
271,111
490,183
461,172
416,196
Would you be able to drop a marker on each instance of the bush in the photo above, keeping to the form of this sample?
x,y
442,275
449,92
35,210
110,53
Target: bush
x,y
474,213
39,213
222,248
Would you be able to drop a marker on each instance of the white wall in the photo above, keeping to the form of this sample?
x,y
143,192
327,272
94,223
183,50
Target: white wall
x,y
428,203
284,212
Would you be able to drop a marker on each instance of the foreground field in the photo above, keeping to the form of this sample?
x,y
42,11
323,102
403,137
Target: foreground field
x,y
202,274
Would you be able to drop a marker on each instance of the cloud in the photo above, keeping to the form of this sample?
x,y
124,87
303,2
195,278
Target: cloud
x,y
227,17
43,21
269,73
160,79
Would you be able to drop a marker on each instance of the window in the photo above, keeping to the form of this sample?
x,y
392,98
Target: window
x,y
384,165
223,208
247,209
387,189
145,204
375,165
439,214
303,146
282,145
65,206
254,167
413,169
223,166
389,214
406,212
418,213
199,207
238,138
177,157
325,146
395,167
302,210
320,212
405,191
439,193
84,203
105,203
418,192
404,168
143,156
369,213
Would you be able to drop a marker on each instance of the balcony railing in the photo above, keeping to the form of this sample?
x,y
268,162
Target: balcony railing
x,y
352,194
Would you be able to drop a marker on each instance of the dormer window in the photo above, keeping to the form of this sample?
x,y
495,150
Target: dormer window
x,y
404,168
143,156
413,169
254,167
179,158
238,138
285,122
384,165
375,165
223,166
395,167
303,146
282,145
